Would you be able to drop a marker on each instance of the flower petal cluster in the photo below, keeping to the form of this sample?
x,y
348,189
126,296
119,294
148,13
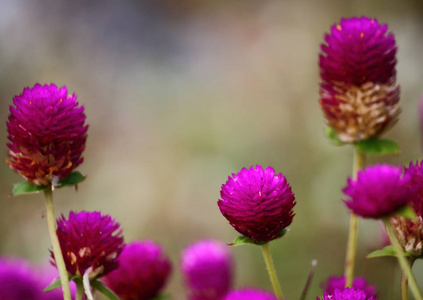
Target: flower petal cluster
x,y
338,282
358,93
410,232
378,191
47,134
17,280
143,271
258,203
207,267
250,294
347,294
90,242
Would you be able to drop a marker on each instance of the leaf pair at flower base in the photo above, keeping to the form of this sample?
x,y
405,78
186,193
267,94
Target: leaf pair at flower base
x,y
95,284
374,146
242,240
27,188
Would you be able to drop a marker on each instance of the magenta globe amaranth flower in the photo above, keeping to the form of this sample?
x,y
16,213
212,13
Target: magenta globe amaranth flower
x,y
17,280
347,294
90,242
47,134
258,203
143,272
358,92
207,267
250,294
360,283
378,191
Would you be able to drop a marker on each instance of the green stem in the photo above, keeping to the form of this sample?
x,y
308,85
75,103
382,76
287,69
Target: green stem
x,y
406,269
404,281
358,164
79,290
271,270
60,263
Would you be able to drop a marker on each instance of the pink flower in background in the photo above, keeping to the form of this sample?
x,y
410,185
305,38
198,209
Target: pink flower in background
x,y
47,134
250,294
335,282
358,91
347,294
258,203
378,191
207,267
143,272
17,280
90,242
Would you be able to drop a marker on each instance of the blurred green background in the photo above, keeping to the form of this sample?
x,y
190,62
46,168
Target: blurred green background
x,y
179,95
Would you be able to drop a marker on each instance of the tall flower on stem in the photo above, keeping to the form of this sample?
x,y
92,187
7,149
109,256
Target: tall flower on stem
x,y
143,272
259,204
47,136
207,267
91,244
358,93
379,192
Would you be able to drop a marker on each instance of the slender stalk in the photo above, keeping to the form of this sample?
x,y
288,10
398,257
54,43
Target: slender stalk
x,y
271,270
60,263
405,266
359,163
309,280
79,290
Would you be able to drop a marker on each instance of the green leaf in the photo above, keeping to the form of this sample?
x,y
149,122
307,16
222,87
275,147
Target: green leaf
x,y
54,285
22,188
387,251
242,240
99,286
378,147
161,297
73,179
332,135
406,212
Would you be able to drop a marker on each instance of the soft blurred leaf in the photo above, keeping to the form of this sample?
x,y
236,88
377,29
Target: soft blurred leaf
x,y
406,212
332,135
378,147
387,251
54,285
73,179
22,188
99,286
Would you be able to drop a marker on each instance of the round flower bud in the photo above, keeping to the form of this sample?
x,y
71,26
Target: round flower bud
x,y
143,272
47,134
207,267
358,93
250,294
258,203
90,242
378,191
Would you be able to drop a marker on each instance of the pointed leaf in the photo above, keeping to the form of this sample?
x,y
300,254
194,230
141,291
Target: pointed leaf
x,y
332,135
22,188
378,146
99,286
387,251
54,285
73,179
406,212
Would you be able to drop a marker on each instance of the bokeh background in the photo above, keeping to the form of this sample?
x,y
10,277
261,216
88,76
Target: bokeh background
x,y
179,95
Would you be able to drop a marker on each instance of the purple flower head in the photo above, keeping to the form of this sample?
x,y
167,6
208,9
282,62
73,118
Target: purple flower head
x,y
90,242
378,191
360,283
250,294
143,272
416,174
258,203
359,95
207,267
47,134
347,294
17,280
